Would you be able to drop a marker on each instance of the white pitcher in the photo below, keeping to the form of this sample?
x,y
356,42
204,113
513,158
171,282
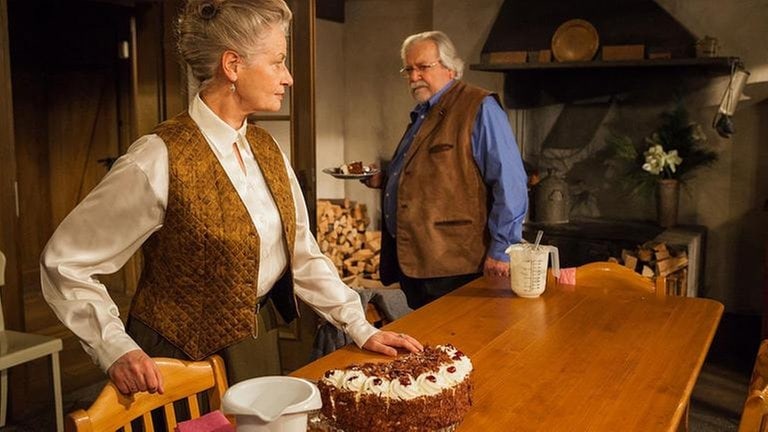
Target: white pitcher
x,y
272,404
528,268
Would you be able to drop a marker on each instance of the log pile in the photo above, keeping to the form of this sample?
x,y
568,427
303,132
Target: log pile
x,y
343,237
657,260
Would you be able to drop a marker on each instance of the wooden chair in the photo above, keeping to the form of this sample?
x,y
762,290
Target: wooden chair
x,y
17,348
612,275
755,412
182,381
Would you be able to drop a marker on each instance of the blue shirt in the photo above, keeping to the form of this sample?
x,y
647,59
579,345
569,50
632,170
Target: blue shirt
x,y
495,152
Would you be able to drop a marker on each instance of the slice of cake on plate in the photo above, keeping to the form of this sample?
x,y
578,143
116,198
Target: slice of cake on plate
x,y
355,167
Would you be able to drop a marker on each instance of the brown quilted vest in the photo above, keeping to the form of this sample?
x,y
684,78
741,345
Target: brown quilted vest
x,y
198,285
442,201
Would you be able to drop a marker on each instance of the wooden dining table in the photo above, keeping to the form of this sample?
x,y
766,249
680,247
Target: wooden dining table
x,y
577,358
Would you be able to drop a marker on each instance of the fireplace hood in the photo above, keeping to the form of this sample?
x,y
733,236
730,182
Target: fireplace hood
x,y
528,26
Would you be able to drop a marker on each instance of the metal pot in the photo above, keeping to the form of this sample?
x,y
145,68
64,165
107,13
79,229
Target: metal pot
x,y
552,200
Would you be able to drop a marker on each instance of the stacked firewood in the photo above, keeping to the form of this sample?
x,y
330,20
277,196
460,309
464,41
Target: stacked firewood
x,y
343,237
657,260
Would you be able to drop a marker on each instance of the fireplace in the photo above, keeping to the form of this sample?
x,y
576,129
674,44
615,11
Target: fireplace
x,y
564,113
588,240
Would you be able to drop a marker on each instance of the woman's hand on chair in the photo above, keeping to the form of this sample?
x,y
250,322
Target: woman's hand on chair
x,y
135,372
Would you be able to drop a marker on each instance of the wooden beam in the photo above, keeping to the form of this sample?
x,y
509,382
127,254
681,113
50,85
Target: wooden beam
x,y
332,10
303,101
174,93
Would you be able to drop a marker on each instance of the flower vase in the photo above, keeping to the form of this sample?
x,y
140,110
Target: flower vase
x,y
667,201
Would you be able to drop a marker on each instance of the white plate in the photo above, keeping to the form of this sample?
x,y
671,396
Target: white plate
x,y
336,173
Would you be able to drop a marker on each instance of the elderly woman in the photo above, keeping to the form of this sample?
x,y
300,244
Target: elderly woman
x,y
221,218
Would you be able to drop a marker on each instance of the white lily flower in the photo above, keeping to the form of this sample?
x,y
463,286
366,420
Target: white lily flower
x,y
656,160
672,160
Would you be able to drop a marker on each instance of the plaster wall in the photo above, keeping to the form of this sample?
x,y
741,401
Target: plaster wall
x,y
377,101
329,106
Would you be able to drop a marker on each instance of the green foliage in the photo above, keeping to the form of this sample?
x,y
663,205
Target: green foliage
x,y
629,159
675,133
622,146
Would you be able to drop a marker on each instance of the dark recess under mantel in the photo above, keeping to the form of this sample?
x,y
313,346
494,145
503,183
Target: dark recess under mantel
x,y
535,84
714,64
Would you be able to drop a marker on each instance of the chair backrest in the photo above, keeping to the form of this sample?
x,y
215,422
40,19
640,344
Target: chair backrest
x,y
610,275
182,381
753,417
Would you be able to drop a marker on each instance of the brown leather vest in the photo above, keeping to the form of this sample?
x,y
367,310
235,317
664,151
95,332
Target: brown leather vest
x,y
442,201
198,285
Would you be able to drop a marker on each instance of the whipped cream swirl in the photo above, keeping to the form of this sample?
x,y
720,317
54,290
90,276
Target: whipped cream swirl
x,y
403,386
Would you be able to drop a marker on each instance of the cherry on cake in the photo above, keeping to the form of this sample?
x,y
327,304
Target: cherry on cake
x,y
425,391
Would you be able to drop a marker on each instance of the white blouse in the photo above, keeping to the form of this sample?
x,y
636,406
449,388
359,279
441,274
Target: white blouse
x,y
128,205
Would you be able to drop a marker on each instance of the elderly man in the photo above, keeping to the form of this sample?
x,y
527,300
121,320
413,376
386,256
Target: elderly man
x,y
455,191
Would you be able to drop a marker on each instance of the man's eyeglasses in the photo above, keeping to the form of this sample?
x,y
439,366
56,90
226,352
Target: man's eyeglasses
x,y
407,70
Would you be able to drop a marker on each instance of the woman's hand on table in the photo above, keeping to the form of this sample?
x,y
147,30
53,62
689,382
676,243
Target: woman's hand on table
x,y
135,372
386,342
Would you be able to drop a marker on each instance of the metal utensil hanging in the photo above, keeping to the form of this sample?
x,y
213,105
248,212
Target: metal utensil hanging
x,y
722,122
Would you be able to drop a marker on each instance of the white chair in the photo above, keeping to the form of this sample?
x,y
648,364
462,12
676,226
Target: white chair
x,y
17,348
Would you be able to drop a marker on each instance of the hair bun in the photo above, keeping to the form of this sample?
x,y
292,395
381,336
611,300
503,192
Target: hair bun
x,y
208,9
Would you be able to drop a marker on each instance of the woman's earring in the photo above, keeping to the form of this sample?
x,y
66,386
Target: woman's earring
x,y
232,87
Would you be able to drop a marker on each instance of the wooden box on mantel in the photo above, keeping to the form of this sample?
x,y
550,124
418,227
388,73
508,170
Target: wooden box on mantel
x,y
623,52
502,57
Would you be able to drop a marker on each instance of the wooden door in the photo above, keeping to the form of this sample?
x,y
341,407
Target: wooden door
x,y
71,85
67,117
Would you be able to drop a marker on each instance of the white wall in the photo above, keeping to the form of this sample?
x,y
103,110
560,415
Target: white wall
x,y
329,106
377,101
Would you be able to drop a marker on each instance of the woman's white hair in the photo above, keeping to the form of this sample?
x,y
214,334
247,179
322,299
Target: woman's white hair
x,y
207,28
445,49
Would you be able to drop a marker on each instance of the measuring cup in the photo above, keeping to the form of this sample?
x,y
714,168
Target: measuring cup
x,y
528,268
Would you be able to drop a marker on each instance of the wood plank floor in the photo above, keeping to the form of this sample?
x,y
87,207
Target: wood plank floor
x,y
721,389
